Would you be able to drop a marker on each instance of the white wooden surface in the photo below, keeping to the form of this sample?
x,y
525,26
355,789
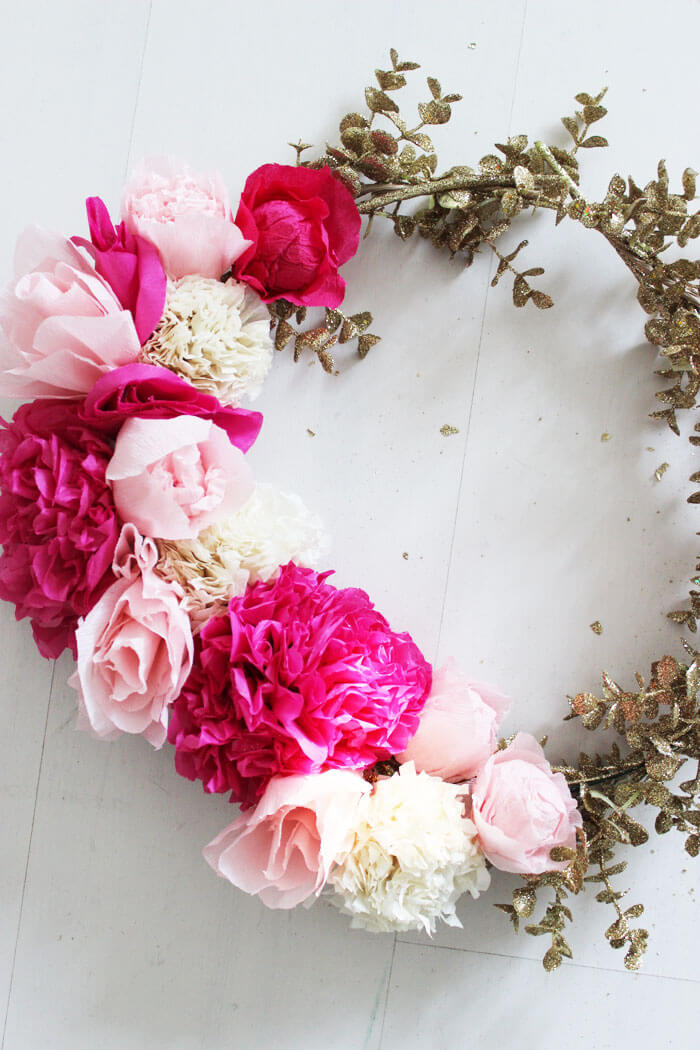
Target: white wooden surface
x,y
520,530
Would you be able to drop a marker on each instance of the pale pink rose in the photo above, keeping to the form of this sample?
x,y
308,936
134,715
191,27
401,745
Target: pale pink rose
x,y
522,810
61,325
186,215
458,727
284,849
134,648
173,477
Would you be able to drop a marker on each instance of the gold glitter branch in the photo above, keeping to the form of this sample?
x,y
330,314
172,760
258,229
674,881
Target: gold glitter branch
x,y
390,166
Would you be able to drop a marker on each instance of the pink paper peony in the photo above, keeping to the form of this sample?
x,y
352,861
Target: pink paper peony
x,y
458,728
62,323
522,810
299,677
58,525
134,648
173,477
186,215
129,264
152,392
284,849
302,225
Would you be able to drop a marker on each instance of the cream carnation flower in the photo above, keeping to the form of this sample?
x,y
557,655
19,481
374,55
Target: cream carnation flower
x,y
214,335
271,529
414,854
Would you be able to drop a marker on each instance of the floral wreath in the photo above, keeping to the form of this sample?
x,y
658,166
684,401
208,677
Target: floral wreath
x,y
134,534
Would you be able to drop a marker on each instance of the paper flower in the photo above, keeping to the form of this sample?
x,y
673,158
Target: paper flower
x,y
62,323
303,225
58,525
129,264
458,728
151,392
173,477
413,856
214,335
522,810
271,529
298,677
284,849
185,214
134,648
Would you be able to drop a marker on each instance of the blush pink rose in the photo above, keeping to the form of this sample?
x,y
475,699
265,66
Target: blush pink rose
x,y
61,325
186,215
134,648
522,810
284,849
458,728
172,478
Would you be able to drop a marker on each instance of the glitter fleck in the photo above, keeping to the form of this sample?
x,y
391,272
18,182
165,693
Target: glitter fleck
x,y
447,431
311,433
605,436
596,627
660,471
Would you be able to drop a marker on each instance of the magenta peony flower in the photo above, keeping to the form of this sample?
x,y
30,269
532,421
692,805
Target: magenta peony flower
x,y
58,524
299,677
152,392
129,264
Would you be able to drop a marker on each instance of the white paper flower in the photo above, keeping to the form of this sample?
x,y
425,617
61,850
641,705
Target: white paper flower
x,y
414,855
271,529
214,335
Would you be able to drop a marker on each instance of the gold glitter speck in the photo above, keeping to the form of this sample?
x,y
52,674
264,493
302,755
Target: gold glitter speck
x,y
447,431
311,433
605,436
660,471
596,627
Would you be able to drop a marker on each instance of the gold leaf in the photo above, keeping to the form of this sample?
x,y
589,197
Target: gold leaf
x,y
434,112
435,89
379,102
551,960
593,142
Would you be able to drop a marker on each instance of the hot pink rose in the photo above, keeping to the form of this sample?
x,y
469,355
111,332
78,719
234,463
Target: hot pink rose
x,y
130,265
284,849
458,728
152,392
134,648
173,477
522,810
63,325
303,225
186,215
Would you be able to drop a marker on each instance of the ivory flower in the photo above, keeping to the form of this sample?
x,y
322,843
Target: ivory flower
x,y
414,854
271,529
214,335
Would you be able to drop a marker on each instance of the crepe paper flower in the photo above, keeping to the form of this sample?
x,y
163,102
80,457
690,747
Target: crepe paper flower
x,y
298,677
271,529
522,810
134,648
413,856
185,214
151,392
303,225
214,335
458,728
129,264
58,524
284,849
61,325
172,478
